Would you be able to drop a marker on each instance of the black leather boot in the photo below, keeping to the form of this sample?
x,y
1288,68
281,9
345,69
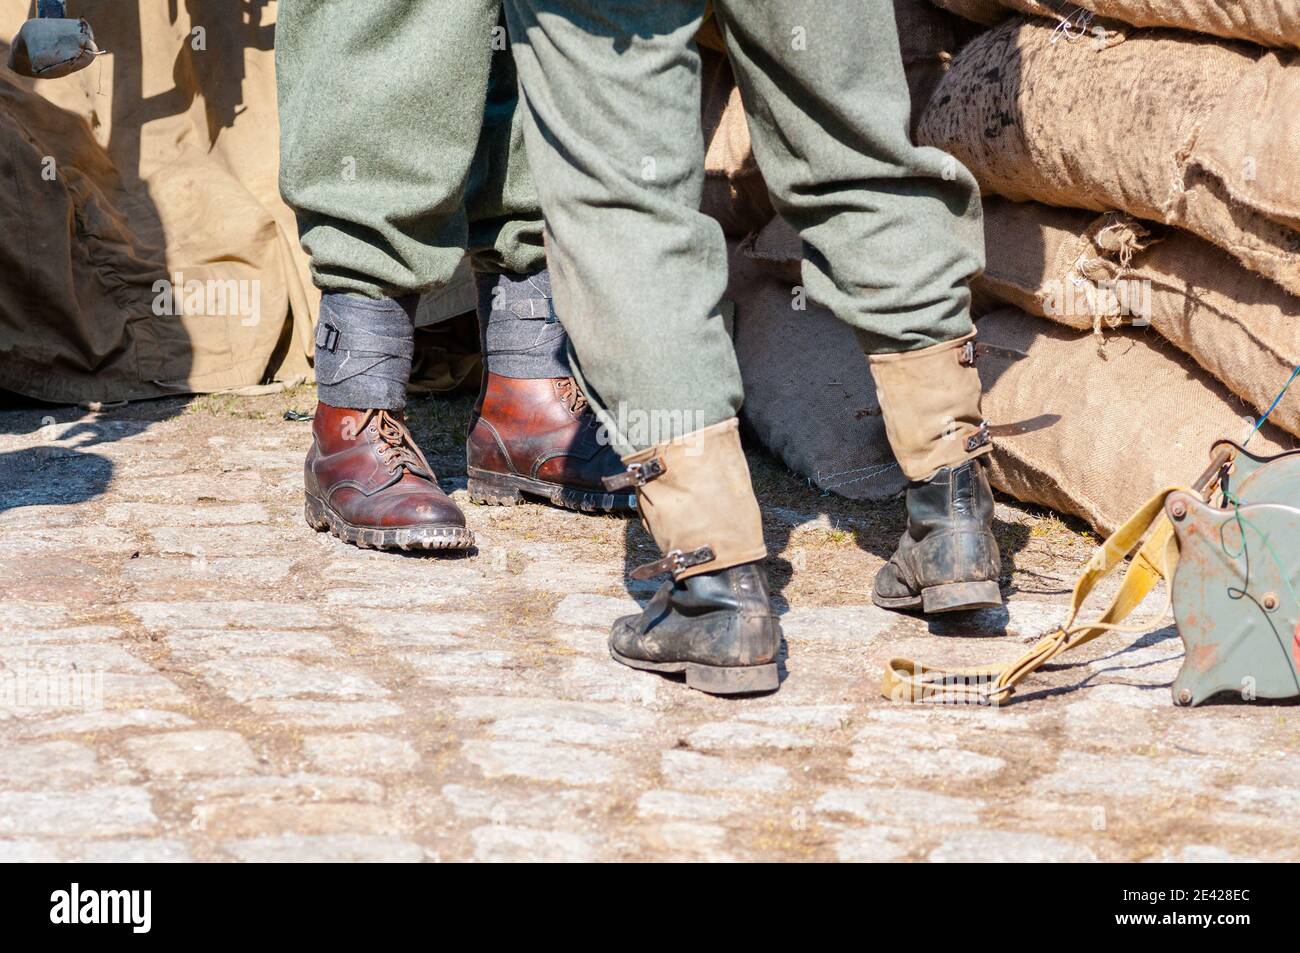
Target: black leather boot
x,y
713,621
717,628
947,560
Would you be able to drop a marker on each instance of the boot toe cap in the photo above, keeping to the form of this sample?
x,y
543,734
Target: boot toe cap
x,y
424,510
394,509
889,583
625,636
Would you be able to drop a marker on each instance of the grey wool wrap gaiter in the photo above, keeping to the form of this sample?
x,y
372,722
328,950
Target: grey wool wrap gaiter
x,y
520,334
363,351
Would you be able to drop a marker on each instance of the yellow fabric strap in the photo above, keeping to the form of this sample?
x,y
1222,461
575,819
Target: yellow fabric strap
x,y
908,681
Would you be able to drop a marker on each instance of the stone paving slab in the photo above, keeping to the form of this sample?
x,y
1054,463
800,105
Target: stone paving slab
x,y
187,672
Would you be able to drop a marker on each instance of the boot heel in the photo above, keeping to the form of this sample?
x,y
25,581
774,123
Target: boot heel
x,y
488,492
314,511
961,596
723,680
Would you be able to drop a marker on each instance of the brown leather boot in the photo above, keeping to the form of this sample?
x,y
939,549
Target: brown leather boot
x,y
539,438
368,483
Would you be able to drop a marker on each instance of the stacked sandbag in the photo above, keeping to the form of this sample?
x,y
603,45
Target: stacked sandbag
x,y
927,39
1082,426
1142,216
1141,338
1167,126
1097,272
812,405
734,191
1095,431
987,12
1266,22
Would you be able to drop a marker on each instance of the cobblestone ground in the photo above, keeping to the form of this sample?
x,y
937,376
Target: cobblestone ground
x,y
189,672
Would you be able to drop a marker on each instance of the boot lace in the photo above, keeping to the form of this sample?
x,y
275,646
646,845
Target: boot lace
x,y
573,396
397,448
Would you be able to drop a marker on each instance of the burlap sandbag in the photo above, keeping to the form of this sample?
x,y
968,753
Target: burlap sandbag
x,y
1098,272
1085,428
809,397
157,163
1095,431
734,191
1164,125
927,42
988,12
1267,22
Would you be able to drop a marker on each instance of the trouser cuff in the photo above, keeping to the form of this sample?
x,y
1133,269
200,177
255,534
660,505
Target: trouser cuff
x,y
364,348
518,328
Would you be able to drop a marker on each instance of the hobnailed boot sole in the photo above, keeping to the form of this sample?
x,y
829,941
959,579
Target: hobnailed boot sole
x,y
712,679
323,519
503,489
952,597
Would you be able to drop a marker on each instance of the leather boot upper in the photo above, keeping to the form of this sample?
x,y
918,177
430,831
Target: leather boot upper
x,y
367,468
721,618
949,536
541,429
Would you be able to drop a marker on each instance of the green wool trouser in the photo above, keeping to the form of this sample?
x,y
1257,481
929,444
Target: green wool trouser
x,y
892,232
400,145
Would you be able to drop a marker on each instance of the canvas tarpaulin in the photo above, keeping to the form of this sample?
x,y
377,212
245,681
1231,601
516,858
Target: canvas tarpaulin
x,y
145,249
164,159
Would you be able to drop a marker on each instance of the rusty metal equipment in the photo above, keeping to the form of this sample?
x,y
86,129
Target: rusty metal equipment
x,y
1228,548
1235,589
